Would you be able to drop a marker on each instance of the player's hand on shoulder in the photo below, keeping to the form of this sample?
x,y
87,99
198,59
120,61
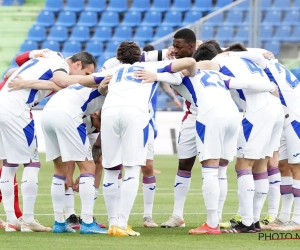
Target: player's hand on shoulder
x,y
145,75
170,53
275,92
16,84
269,55
103,86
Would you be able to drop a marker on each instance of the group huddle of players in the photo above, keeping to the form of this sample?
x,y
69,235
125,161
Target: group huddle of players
x,y
265,141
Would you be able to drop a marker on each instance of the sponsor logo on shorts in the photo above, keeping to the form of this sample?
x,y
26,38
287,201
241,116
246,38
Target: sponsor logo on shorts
x,y
295,155
129,178
239,148
35,154
108,184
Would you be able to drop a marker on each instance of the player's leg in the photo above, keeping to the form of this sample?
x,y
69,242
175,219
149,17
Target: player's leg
x,y
223,184
2,223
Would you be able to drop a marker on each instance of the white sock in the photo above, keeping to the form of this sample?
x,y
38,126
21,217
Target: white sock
x,y
69,202
96,194
181,188
211,194
296,193
128,194
287,198
7,189
110,194
274,191
223,184
261,184
58,197
246,191
149,185
87,192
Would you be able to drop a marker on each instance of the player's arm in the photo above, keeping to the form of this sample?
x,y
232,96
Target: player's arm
x,y
188,64
167,89
26,56
253,56
208,65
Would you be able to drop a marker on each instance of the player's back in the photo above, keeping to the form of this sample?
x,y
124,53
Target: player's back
x,y
287,83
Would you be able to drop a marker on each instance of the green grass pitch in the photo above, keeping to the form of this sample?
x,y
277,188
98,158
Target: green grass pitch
x,y
158,238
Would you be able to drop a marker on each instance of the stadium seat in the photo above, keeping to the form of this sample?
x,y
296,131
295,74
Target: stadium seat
x,y
140,5
103,58
94,47
202,5
224,33
117,5
111,47
295,37
162,101
215,20
265,5
66,18
282,33
291,18
7,2
80,34
281,5
266,33
109,18
296,5
207,33
45,18
143,34
37,33
70,48
132,19
173,19
234,17
246,19
181,5
88,19
272,17
122,33
273,46
222,3
96,5
74,5
58,34
243,6
242,34
53,5
152,18
161,5
28,46
102,34
140,43
162,31
191,17
50,45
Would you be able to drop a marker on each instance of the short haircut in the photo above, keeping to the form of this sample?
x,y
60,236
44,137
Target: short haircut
x,y
236,47
85,58
205,52
215,44
148,47
128,52
186,34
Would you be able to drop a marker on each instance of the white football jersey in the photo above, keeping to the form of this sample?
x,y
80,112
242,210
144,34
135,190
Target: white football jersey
x,y
23,100
288,84
241,68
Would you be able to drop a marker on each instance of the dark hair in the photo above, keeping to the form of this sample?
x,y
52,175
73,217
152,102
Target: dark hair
x,y
128,52
148,47
215,44
186,34
236,47
205,52
85,58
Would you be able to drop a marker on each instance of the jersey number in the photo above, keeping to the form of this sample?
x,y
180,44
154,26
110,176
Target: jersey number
x,y
206,83
253,67
128,74
288,77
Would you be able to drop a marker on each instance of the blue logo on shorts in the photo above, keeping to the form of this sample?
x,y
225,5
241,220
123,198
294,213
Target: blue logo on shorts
x,y
295,155
107,184
239,148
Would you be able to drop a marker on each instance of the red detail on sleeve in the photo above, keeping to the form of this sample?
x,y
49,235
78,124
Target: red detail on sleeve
x,y
23,58
3,83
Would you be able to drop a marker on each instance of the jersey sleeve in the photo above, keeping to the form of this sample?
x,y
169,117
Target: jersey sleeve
x,y
110,63
98,77
59,64
23,58
173,79
154,56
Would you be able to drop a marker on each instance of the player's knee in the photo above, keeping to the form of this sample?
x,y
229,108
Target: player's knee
x,y
284,168
186,164
148,169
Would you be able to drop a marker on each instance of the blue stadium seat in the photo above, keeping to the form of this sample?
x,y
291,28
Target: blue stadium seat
x,y
45,18
111,47
140,44
273,46
58,34
242,34
282,33
243,6
291,18
70,48
37,33
88,19
295,37
132,19
161,5
66,18
265,5
50,45
173,19
74,5
181,5
222,3
162,101
80,34
143,34
122,33
7,2
162,31
117,5
140,5
234,17
94,47
28,46
96,5
109,18
246,20
281,5
224,33
53,5
273,17
296,5
202,5
103,58
152,18
102,34
191,17
215,20
266,33
207,33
